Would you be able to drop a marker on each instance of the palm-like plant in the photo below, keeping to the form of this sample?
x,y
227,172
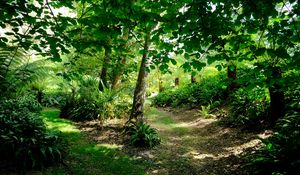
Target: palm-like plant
x,y
18,71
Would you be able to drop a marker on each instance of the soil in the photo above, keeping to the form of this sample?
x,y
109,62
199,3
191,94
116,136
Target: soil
x,y
191,144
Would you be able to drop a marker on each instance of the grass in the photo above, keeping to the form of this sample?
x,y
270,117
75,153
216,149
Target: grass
x,y
165,121
85,156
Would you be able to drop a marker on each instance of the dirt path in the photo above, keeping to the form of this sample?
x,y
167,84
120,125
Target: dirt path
x,y
191,145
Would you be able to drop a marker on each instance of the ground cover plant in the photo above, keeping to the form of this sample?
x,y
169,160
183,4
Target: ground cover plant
x,y
280,153
25,143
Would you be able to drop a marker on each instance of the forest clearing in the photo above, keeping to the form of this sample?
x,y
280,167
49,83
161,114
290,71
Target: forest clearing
x,y
134,87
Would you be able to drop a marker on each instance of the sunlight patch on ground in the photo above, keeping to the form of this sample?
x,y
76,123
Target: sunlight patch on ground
x,y
61,127
110,146
234,150
200,122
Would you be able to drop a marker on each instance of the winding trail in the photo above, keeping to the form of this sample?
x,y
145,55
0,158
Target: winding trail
x,y
192,145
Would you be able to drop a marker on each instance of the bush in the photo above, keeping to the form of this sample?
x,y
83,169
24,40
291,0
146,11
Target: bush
x,y
80,110
54,99
281,152
202,93
142,135
248,107
23,138
88,103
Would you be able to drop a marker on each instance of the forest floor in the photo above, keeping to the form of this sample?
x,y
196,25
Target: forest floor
x,y
191,144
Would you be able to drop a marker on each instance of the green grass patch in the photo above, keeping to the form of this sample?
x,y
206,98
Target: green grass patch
x,y
164,119
86,156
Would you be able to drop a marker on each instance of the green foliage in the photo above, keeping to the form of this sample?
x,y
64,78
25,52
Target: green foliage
x,y
88,103
54,99
248,107
202,93
281,152
142,135
38,30
205,111
23,137
17,71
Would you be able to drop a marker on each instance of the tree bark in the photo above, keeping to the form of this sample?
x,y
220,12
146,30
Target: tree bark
x,y
137,112
160,82
193,79
231,74
176,81
119,70
103,83
276,97
117,74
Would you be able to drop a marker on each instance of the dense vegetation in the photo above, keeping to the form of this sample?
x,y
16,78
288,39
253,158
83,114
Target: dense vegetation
x,y
100,60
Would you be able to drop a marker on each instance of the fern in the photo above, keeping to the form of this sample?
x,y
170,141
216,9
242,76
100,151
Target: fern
x,y
18,71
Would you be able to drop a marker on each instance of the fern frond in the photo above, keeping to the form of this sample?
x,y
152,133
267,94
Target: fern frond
x,y
17,71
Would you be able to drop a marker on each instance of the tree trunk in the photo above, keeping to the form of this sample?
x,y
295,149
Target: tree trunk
x,y
119,70
176,81
193,79
160,82
137,112
276,97
117,74
160,86
231,74
103,83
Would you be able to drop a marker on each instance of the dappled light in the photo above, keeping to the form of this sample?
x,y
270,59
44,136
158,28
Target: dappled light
x,y
160,87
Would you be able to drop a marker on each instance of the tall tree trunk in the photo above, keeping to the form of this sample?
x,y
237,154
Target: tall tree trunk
x,y
193,79
177,81
103,83
276,97
137,112
160,86
231,74
117,74
119,70
160,82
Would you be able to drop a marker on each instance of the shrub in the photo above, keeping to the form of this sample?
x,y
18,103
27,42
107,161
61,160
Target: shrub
x,y
54,99
202,93
142,135
80,110
88,103
281,152
248,107
23,138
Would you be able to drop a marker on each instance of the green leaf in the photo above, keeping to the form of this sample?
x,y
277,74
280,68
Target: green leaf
x,y
260,51
219,67
186,56
210,60
173,61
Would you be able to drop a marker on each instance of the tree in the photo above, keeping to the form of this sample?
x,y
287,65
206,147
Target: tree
x,y
32,25
237,31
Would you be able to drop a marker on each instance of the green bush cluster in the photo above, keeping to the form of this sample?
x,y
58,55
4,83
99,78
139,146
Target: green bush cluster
x,y
142,135
281,152
24,141
248,107
54,99
202,93
89,103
